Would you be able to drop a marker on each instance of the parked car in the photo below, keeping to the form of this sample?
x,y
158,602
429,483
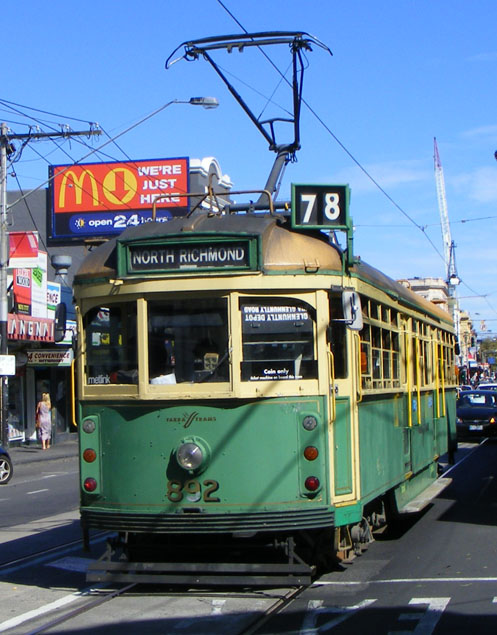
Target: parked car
x,y
476,413
6,467
487,385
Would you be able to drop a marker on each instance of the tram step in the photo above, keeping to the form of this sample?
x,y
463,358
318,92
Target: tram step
x,y
422,500
202,574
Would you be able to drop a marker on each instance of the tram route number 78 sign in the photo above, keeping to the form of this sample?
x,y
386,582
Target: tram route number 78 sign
x,y
320,206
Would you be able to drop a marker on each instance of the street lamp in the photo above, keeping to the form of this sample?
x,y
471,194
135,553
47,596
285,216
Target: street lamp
x,y
206,102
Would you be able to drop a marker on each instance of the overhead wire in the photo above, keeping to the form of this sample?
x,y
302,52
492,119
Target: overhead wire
x,y
337,140
80,140
351,156
45,112
103,145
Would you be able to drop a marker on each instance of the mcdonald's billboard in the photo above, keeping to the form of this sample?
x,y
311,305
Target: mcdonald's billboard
x,y
93,200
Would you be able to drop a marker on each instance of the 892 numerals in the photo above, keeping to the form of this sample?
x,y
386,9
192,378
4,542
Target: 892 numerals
x,y
193,491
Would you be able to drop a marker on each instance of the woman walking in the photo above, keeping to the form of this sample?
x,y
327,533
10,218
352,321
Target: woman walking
x,y
44,420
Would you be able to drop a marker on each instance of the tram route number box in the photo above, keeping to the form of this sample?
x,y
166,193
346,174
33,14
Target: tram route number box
x,y
320,207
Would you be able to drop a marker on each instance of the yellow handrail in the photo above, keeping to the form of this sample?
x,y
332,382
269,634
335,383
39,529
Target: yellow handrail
x,y
331,364
408,377
73,395
359,367
437,375
442,373
418,381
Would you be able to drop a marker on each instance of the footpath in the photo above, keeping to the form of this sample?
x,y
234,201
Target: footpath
x,y
32,452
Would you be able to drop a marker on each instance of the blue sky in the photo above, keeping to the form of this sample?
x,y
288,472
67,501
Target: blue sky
x,y
402,73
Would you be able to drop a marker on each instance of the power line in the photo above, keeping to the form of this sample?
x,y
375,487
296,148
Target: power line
x,y
46,112
337,140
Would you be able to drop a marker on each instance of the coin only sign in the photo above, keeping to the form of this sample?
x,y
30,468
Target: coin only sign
x,y
7,364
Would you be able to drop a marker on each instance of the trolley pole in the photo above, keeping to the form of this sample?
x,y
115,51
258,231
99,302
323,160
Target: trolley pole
x,y
5,149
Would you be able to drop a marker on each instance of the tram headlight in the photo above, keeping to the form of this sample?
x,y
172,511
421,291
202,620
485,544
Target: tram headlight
x,y
191,454
309,423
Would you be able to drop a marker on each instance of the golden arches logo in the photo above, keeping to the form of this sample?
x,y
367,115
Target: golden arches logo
x,y
118,187
77,183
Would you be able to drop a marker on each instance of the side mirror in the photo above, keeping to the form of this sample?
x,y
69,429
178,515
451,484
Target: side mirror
x,y
352,311
60,322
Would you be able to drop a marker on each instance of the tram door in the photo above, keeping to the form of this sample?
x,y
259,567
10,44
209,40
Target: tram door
x,y
411,398
439,410
343,352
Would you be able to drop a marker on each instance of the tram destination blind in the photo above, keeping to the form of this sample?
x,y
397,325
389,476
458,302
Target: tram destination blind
x,y
177,256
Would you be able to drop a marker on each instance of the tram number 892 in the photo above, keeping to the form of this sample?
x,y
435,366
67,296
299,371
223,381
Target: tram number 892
x,y
192,491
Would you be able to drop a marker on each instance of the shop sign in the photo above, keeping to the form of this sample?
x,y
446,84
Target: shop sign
x,y
23,250
21,284
29,328
7,364
29,286
39,287
53,298
50,357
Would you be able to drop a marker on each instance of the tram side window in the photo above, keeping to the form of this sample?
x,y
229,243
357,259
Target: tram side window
x,y
380,346
111,353
277,339
188,341
447,355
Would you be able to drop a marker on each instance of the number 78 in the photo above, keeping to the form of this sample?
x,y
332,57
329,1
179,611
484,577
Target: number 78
x,y
331,207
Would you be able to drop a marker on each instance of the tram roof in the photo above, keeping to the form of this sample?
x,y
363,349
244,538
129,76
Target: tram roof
x,y
283,249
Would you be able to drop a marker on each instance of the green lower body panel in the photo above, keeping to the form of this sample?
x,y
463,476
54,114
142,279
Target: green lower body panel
x,y
348,515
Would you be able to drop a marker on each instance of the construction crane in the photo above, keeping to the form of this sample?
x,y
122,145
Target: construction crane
x,y
451,277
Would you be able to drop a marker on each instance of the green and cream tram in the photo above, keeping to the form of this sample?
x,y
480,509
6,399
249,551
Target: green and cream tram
x,y
241,378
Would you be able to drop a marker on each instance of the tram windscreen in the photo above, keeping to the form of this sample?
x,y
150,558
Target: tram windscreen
x,y
277,339
111,353
188,341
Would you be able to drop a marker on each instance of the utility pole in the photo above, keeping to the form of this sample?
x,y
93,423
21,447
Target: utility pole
x,y
6,139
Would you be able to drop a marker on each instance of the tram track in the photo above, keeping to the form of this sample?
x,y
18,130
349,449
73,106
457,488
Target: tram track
x,y
44,554
52,616
76,612
274,610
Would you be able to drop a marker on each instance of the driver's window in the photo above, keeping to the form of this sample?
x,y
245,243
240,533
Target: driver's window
x,y
188,341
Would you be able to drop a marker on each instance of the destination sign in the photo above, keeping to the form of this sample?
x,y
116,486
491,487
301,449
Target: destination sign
x,y
177,256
